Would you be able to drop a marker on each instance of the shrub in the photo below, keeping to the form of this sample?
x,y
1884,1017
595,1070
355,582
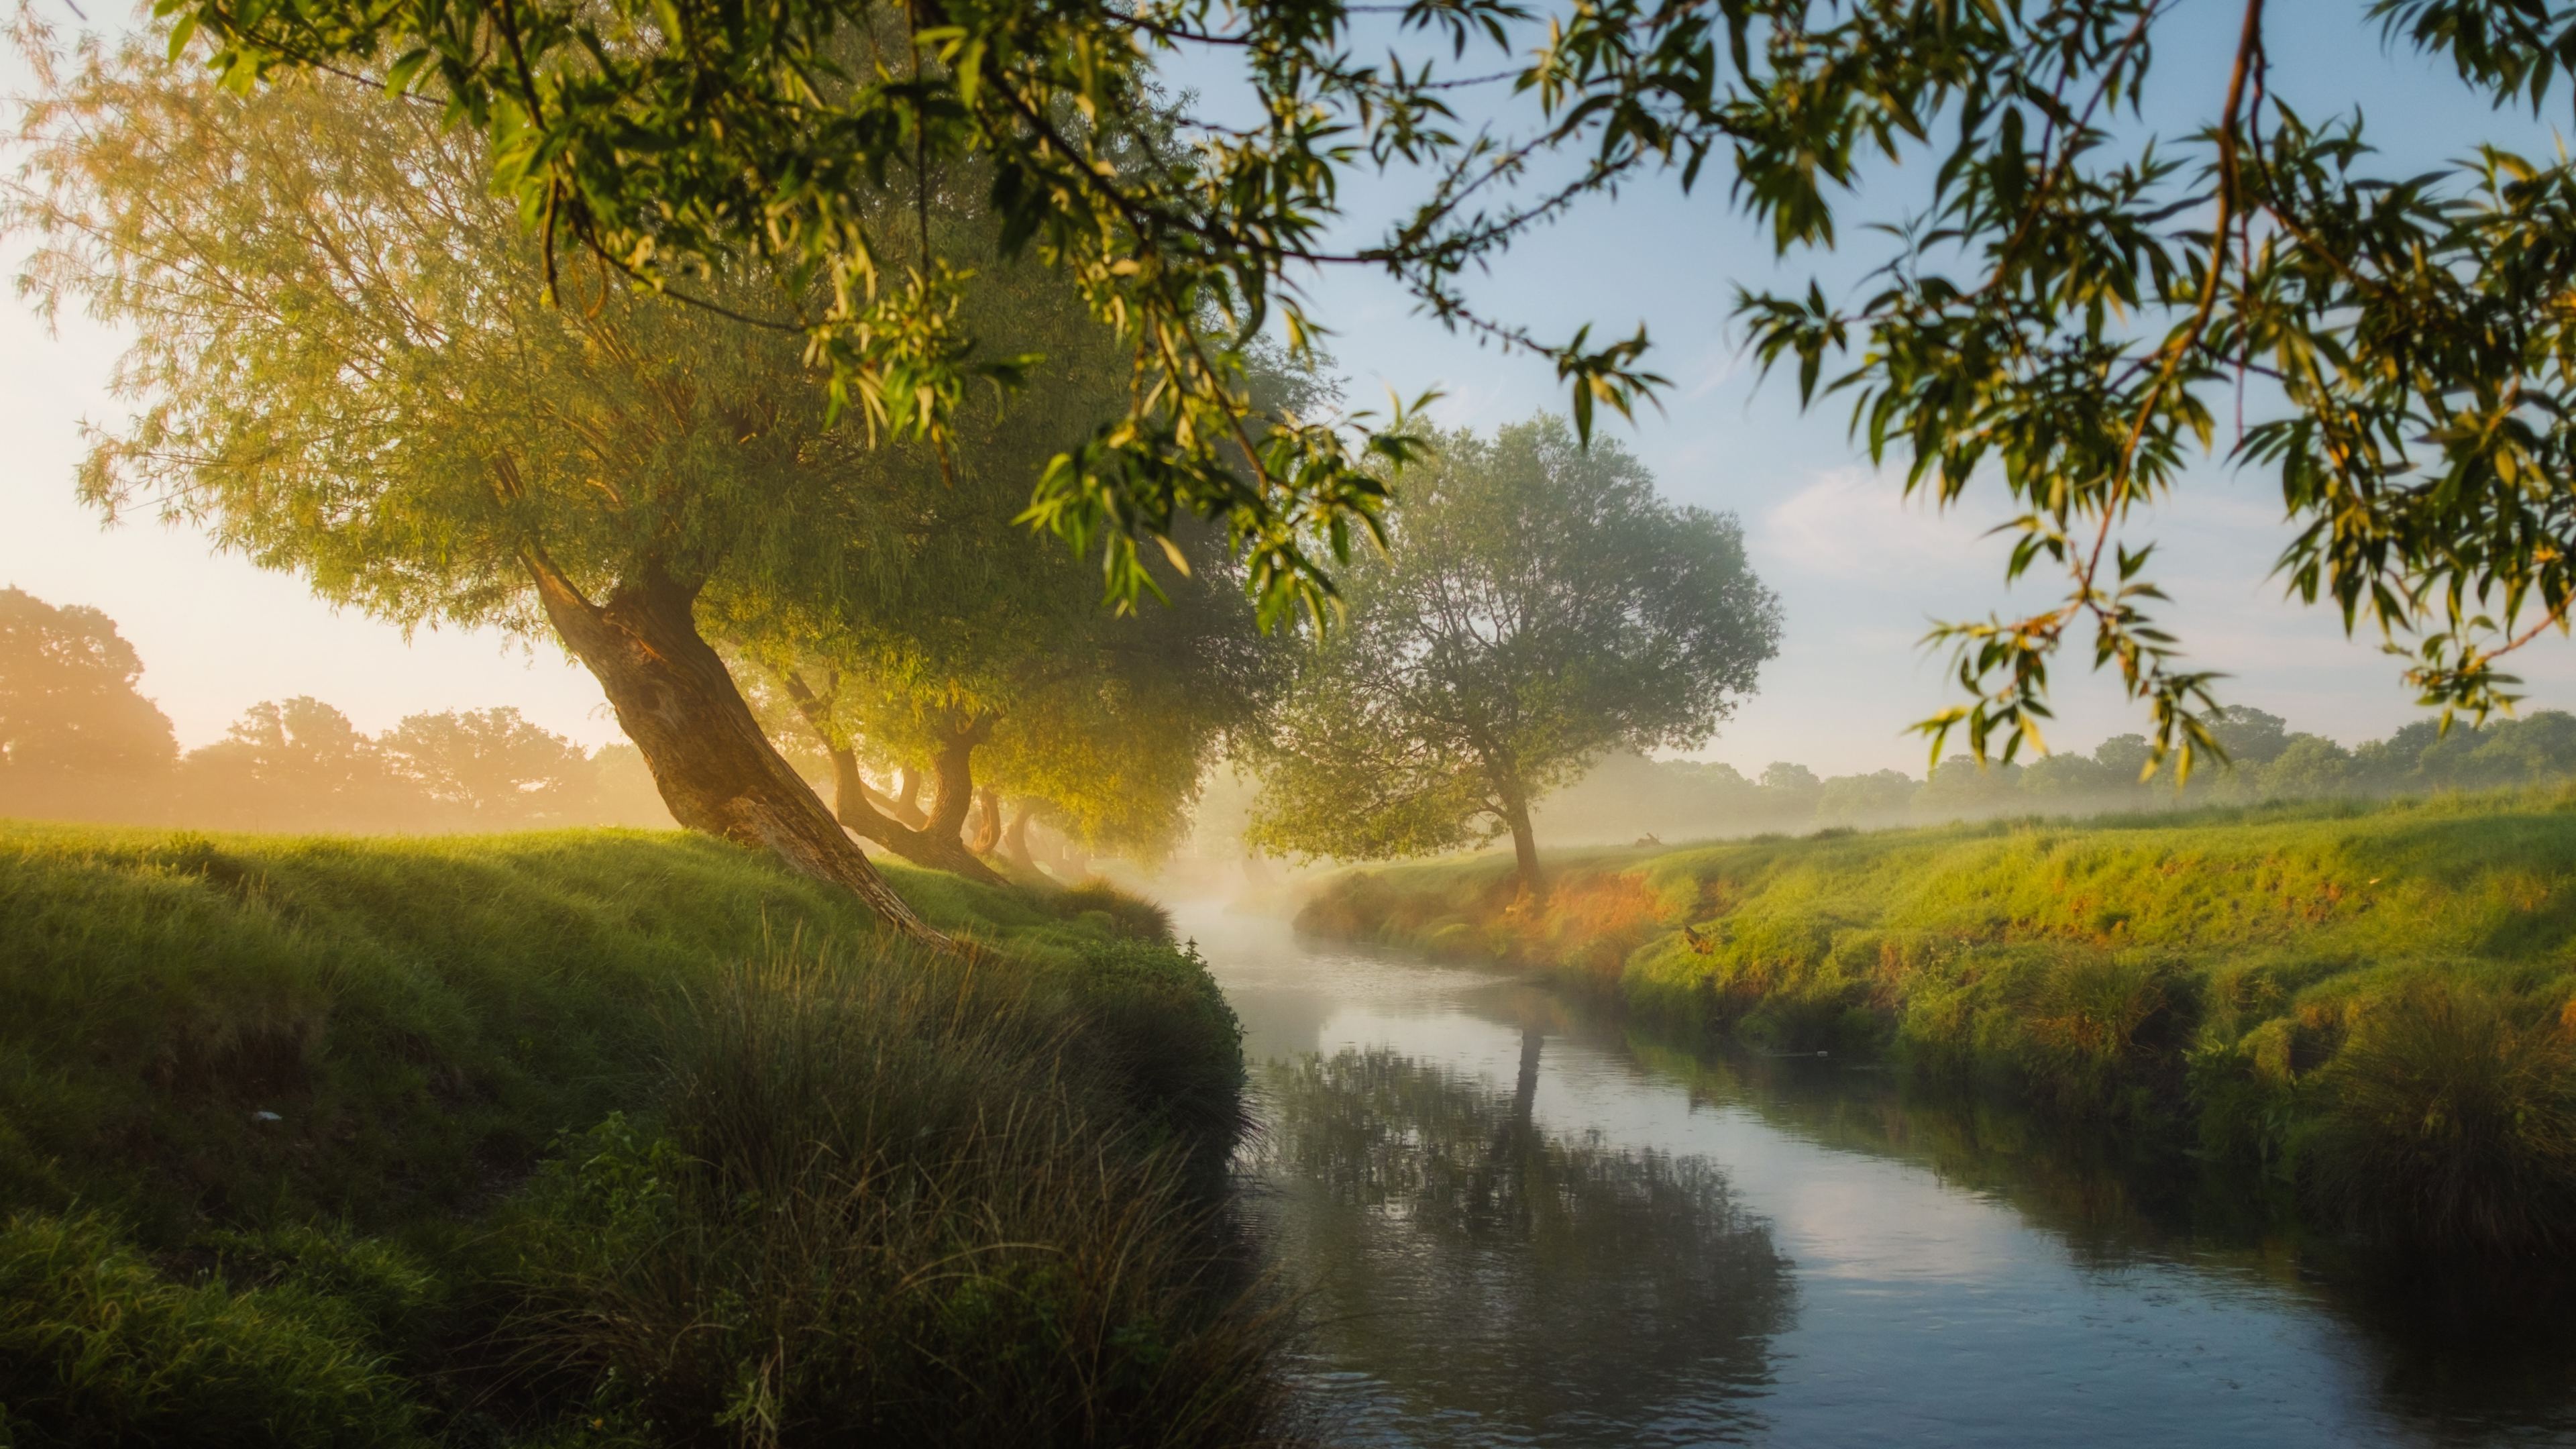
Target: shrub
x,y
887,1202
98,1347
2091,1021
1117,910
2450,1122
1164,1035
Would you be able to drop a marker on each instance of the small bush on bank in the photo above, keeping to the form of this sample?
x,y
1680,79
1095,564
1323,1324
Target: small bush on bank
x,y
1125,913
2449,1118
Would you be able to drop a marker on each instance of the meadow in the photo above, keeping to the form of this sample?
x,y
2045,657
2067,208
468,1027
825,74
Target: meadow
x,y
2372,1007
601,1137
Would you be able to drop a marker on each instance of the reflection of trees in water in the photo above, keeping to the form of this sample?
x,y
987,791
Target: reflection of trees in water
x,y
1496,1280
2110,1196
2445,1350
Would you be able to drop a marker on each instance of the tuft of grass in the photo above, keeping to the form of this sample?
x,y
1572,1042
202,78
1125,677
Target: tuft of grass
x,y
2450,1118
897,1199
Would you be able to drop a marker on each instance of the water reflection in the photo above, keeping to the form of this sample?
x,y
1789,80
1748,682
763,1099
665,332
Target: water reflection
x,y
1524,1225
2447,1361
1487,1282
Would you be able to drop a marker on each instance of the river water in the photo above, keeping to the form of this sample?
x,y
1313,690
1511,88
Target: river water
x,y
1515,1224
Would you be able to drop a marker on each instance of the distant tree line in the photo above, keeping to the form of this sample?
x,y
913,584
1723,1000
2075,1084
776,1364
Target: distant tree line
x,y
1629,796
78,741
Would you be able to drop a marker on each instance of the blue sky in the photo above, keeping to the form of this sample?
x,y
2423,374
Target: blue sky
x,y
1859,572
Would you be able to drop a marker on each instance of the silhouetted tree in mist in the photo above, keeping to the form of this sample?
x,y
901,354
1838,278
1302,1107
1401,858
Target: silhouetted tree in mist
x,y
75,735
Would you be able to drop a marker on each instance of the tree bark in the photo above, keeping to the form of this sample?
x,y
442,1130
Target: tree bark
x,y
854,803
716,771
905,806
849,787
1524,845
988,821
953,775
929,848
1015,837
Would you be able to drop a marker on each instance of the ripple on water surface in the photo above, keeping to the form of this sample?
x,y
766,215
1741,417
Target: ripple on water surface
x,y
1517,1227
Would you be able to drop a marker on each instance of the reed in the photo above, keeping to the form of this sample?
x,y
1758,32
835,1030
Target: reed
x,y
2449,1118
899,1200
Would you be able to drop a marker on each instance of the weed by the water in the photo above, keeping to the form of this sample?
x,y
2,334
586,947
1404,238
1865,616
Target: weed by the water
x,y
896,1201
2449,1119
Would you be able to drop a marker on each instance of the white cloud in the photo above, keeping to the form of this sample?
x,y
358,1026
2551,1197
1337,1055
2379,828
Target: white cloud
x,y
1855,525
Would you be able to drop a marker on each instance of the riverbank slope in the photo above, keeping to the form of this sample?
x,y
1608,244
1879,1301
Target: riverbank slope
x,y
2375,1003
598,1137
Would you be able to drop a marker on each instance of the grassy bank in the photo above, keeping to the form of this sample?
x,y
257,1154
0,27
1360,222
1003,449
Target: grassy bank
x,y
2375,1005
597,1137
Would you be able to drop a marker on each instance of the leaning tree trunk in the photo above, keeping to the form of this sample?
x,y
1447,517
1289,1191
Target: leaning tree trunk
x,y
854,804
716,770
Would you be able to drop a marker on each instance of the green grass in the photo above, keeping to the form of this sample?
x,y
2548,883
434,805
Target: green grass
x,y
598,1137
2376,1003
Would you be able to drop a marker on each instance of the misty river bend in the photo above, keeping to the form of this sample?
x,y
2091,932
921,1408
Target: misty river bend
x,y
1516,1226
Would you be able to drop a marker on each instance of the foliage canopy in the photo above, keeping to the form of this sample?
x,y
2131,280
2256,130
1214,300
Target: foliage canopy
x,y
1541,607
346,366
2069,309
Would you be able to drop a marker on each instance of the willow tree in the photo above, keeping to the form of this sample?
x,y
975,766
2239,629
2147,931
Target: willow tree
x,y
1111,755
345,365
1541,608
1007,679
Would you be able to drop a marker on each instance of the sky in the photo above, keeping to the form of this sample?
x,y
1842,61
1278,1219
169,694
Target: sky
x,y
1859,572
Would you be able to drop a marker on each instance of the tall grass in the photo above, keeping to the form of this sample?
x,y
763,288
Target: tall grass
x,y
99,1346
2450,1117
897,1200
599,1137
2250,978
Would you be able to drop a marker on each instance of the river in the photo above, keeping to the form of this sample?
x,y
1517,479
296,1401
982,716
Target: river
x,y
1513,1224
